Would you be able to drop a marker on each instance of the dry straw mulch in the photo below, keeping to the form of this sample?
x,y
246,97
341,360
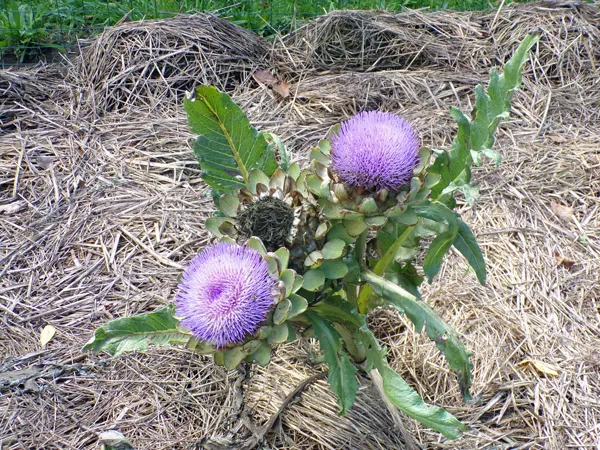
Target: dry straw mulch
x,y
101,205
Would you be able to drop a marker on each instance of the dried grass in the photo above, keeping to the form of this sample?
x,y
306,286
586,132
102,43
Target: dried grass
x,y
98,212
22,92
149,63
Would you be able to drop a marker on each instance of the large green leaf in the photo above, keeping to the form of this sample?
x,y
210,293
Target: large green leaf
x,y
342,373
421,314
404,397
336,309
227,147
439,213
475,136
466,244
136,333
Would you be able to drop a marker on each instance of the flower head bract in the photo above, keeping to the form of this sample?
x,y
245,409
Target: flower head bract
x,y
225,293
376,150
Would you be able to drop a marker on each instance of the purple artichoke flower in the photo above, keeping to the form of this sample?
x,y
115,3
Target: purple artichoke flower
x,y
225,293
375,149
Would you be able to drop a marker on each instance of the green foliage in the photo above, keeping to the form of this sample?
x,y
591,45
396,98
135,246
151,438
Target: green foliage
x,y
22,28
467,245
227,147
61,22
405,398
136,333
398,392
342,373
421,314
362,249
440,214
475,136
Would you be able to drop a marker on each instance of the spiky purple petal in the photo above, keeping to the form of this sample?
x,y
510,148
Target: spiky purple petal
x,y
375,149
225,293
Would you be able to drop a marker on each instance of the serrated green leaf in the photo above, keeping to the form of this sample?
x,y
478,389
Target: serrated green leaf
x,y
420,314
227,146
476,136
136,333
341,375
404,397
439,246
467,245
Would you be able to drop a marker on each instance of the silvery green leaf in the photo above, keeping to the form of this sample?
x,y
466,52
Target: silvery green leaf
x,y
227,146
422,315
138,332
342,373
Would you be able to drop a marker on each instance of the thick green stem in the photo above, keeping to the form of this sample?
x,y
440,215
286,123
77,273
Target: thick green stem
x,y
360,248
379,269
351,293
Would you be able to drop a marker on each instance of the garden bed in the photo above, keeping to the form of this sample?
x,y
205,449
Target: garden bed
x,y
102,204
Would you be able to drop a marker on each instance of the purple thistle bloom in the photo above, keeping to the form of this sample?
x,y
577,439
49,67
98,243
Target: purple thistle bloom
x,y
375,149
225,293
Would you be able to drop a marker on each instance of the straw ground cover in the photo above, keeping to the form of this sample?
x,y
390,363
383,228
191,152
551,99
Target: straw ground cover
x,y
101,205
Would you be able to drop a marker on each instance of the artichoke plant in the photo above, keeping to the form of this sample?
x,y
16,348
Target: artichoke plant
x,y
311,253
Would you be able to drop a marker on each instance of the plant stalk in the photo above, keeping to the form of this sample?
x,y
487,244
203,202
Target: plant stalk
x,y
366,291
